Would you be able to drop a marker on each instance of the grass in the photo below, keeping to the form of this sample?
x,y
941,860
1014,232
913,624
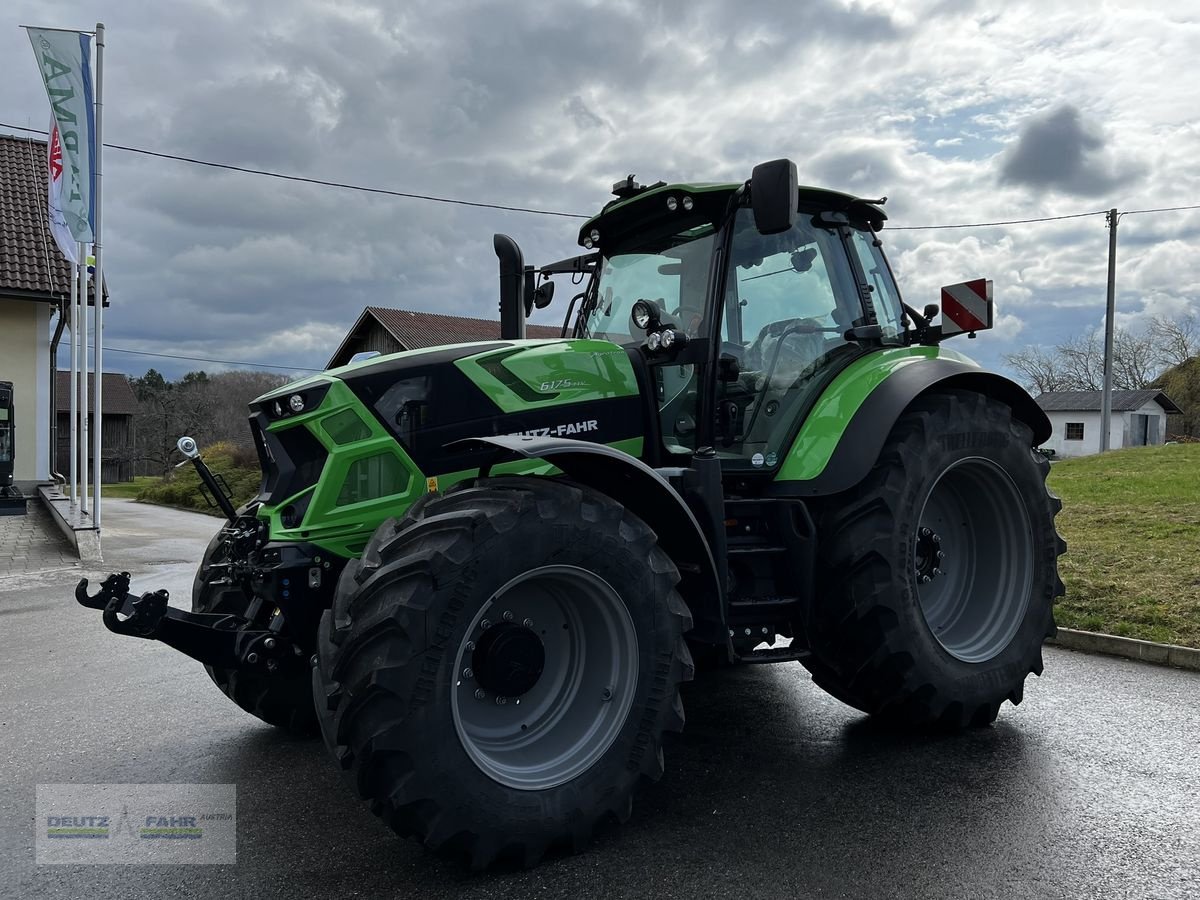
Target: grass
x,y
129,490
1131,519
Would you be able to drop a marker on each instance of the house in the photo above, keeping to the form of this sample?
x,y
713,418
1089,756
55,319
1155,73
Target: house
x,y
1139,419
116,439
388,330
35,285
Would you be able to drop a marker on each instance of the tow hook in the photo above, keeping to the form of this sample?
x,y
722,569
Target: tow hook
x,y
215,639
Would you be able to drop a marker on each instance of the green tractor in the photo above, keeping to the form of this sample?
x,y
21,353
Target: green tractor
x,y
483,571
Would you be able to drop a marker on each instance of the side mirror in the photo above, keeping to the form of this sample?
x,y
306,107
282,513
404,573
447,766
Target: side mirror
x,y
543,295
774,195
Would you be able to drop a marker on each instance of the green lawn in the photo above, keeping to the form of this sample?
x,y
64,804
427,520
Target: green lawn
x,y
1131,519
129,489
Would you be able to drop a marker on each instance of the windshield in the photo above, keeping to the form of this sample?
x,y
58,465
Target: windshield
x,y
670,271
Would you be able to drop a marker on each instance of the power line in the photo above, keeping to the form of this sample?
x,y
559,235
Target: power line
x,y
543,212
1134,212
1098,212
227,362
336,184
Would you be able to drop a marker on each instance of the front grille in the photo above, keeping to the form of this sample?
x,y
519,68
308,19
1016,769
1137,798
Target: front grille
x,y
292,459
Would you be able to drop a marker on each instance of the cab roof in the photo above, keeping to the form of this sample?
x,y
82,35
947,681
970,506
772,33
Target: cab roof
x,y
710,200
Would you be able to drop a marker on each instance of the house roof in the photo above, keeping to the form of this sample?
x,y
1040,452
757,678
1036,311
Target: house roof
x,y
119,399
31,265
1090,401
415,330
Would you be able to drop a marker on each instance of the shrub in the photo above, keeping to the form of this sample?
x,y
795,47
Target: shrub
x,y
182,487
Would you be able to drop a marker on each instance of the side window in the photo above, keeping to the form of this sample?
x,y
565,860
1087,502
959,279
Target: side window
x,y
885,296
789,299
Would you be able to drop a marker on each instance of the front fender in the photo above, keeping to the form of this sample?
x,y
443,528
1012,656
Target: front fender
x,y
844,433
641,490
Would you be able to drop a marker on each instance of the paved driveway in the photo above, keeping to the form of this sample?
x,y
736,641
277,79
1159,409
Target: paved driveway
x,y
1089,789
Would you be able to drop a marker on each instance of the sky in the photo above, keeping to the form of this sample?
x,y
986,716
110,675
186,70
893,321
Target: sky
x,y
958,112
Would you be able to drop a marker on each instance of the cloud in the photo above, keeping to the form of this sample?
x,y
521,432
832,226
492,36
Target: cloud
x,y
1059,150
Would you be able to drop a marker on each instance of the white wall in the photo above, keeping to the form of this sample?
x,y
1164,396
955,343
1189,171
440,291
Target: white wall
x,y
25,361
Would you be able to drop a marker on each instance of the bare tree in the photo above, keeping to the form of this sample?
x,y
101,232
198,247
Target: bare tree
x,y
1077,364
1038,370
1175,340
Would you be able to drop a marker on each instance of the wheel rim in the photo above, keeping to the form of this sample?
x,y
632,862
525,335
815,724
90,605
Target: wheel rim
x,y
561,640
973,559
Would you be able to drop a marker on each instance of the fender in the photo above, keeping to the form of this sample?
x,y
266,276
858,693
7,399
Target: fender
x,y
642,490
831,454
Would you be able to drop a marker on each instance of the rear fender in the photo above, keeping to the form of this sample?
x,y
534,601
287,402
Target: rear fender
x,y
833,452
644,492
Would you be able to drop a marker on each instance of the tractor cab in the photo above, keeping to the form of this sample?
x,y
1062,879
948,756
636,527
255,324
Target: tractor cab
x,y
741,312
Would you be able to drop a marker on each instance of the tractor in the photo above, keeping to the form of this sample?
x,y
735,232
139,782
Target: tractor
x,y
482,572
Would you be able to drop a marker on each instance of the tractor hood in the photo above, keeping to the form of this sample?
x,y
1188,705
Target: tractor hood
x,y
426,399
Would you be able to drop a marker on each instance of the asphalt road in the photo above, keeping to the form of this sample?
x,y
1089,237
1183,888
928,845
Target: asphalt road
x,y
1091,788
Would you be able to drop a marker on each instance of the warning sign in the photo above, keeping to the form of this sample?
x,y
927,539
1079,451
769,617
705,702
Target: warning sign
x,y
967,306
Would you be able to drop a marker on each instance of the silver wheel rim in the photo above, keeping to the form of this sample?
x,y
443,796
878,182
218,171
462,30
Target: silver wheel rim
x,y
973,559
559,726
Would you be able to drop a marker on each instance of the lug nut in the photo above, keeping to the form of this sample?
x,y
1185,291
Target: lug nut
x,y
500,701
925,532
312,660
480,694
937,572
508,616
764,630
470,645
925,579
528,623
485,624
269,643
937,538
252,658
747,632
941,555
468,673
606,694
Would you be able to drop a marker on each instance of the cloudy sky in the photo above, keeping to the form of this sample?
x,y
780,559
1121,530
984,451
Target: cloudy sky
x,y
957,111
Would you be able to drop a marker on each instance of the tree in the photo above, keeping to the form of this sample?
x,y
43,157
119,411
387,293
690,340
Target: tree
x,y
1077,364
167,411
1176,340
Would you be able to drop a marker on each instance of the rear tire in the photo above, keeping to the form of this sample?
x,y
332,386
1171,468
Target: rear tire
x,y
282,700
939,571
417,655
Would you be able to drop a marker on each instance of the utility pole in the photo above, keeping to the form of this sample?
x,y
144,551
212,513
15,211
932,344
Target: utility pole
x,y
1110,315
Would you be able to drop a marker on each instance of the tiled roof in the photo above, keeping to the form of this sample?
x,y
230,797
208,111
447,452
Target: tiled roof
x,y
1089,401
417,330
31,265
119,399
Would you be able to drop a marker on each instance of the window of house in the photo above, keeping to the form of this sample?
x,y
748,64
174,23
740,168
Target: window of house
x,y
1074,431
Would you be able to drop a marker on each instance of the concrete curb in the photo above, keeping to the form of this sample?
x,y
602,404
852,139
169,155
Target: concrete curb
x,y
1129,648
79,532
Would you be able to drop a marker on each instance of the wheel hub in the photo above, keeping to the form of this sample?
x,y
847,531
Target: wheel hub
x,y
508,659
929,555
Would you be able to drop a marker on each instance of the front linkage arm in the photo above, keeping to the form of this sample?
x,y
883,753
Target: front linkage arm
x,y
215,639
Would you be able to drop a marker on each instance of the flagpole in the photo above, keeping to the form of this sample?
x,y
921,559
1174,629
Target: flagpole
x,y
97,420
74,389
83,381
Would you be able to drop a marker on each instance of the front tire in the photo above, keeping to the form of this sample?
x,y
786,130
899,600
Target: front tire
x,y
498,670
279,699
940,570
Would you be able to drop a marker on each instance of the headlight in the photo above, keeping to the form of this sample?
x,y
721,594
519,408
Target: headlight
x,y
587,243
688,204
642,315
595,236
296,403
672,204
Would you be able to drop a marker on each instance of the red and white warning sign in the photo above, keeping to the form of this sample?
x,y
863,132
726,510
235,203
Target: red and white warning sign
x,y
967,306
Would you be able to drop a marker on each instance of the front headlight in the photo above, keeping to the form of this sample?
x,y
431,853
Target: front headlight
x,y
296,403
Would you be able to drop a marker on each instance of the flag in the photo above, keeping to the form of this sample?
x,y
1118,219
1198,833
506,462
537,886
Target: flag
x,y
65,62
58,221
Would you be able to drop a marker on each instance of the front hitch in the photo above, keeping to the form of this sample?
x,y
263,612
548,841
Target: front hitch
x,y
215,639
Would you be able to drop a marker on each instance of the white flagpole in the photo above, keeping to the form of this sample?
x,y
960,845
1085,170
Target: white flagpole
x,y
97,420
74,381
83,381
